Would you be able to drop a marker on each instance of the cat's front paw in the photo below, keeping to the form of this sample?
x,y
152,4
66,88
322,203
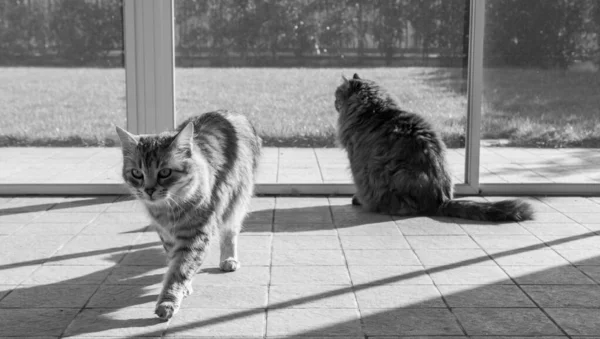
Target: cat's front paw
x,y
166,309
355,201
229,265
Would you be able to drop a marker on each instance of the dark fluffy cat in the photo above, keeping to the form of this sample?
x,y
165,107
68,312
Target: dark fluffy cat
x,y
398,160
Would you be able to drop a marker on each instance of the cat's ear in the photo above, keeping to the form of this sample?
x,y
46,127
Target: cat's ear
x,y
185,137
355,76
344,79
128,140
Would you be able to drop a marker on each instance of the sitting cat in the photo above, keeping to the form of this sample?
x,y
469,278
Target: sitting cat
x,y
398,160
194,182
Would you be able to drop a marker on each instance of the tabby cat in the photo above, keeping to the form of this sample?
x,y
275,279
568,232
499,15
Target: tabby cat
x,y
398,161
194,182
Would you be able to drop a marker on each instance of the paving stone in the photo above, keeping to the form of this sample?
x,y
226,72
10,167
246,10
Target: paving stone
x,y
251,275
441,242
573,243
591,271
428,228
564,296
399,296
581,257
314,322
408,322
295,257
291,242
217,323
389,275
384,228
555,229
125,296
381,257
376,242
51,228
506,321
313,275
305,229
246,257
5,289
494,229
550,218
541,257
257,229
94,250
566,275
106,322
577,321
96,204
469,275
48,296
584,217
136,275
35,322
10,228
254,243
311,296
16,274
151,256
454,257
309,215
484,296
508,242
66,217
231,297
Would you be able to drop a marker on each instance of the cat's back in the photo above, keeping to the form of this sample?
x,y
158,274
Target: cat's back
x,y
226,137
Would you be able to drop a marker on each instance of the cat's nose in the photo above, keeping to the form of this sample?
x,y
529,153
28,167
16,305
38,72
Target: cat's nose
x,y
150,190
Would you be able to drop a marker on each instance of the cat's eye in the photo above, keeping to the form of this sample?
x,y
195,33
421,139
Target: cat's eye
x,y
136,173
163,173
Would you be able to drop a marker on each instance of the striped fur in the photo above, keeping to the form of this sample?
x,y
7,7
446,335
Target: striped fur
x,y
398,160
213,159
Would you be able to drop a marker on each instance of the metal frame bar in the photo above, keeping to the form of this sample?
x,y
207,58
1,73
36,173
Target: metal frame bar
x,y
149,65
474,93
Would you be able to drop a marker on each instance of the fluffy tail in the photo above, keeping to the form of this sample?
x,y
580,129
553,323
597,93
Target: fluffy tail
x,y
505,210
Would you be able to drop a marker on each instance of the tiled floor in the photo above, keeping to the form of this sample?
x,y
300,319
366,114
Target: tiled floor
x,y
305,165
311,267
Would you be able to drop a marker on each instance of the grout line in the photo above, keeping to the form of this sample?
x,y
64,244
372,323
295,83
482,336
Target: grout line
x,y
278,164
112,268
564,332
266,328
360,316
319,166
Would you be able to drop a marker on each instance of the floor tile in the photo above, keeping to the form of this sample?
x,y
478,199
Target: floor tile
x,y
577,321
565,275
469,275
409,322
495,229
230,297
574,242
106,322
484,296
16,274
311,296
381,257
399,296
94,250
383,228
564,296
223,323
508,242
308,215
454,257
314,322
581,257
48,296
136,275
506,321
389,275
377,242
441,242
310,275
538,257
250,275
295,257
555,229
35,322
291,242
305,229
441,228
51,228
125,296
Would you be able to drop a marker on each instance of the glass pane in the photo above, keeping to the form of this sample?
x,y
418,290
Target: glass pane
x,y
541,103
280,62
62,87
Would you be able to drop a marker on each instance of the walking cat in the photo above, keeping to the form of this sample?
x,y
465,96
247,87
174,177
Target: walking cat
x,y
194,182
398,161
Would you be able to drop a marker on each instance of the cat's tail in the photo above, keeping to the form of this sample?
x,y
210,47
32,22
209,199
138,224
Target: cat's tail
x,y
505,210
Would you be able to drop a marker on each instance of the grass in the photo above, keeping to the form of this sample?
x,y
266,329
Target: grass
x,y
294,107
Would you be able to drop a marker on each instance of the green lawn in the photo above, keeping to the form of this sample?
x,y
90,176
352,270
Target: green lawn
x,y
294,107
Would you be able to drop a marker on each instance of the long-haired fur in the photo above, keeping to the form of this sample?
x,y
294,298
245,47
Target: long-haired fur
x,y
398,160
195,181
